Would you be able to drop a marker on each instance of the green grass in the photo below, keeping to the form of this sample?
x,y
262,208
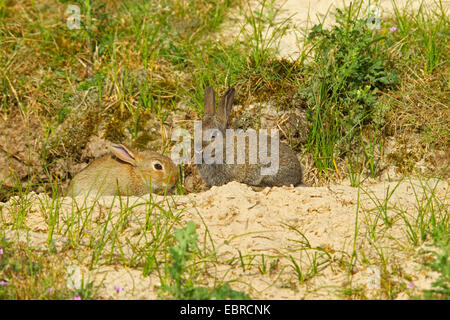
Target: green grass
x,y
132,63
26,274
427,224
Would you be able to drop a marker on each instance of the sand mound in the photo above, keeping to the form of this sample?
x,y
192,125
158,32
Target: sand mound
x,y
312,226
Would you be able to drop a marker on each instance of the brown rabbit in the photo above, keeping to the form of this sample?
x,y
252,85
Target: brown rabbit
x,y
125,172
215,174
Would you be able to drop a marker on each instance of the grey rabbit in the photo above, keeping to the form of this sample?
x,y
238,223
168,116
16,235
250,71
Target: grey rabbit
x,y
216,174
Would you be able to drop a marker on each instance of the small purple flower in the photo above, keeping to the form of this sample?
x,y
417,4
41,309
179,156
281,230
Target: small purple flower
x,y
88,231
118,288
393,29
3,283
1,251
410,285
50,290
77,298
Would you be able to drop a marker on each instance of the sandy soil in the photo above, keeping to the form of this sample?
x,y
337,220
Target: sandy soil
x,y
242,221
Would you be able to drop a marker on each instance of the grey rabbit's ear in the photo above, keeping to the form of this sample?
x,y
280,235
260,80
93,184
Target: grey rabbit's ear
x,y
210,101
225,105
123,153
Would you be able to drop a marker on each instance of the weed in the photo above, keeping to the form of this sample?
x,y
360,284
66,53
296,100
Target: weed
x,y
441,287
183,287
352,68
441,264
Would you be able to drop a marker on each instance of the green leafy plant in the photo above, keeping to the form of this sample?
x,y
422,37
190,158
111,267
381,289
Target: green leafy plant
x,y
441,287
342,93
181,285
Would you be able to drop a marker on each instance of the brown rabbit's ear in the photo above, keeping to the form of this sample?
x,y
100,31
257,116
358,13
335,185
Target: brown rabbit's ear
x,y
225,105
123,153
210,101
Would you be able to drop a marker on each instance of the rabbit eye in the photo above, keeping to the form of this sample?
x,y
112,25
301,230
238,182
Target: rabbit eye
x,y
214,133
157,166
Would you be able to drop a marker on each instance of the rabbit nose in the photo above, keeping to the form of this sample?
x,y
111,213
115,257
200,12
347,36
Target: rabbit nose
x,y
174,179
171,180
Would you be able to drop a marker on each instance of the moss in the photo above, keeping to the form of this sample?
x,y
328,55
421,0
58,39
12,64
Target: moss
x,y
114,130
404,159
70,137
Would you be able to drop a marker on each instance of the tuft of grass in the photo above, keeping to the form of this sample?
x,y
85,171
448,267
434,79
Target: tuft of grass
x,y
427,224
265,32
424,34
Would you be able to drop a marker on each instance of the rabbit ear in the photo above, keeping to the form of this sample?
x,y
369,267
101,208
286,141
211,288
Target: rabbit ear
x,y
123,153
210,101
225,104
